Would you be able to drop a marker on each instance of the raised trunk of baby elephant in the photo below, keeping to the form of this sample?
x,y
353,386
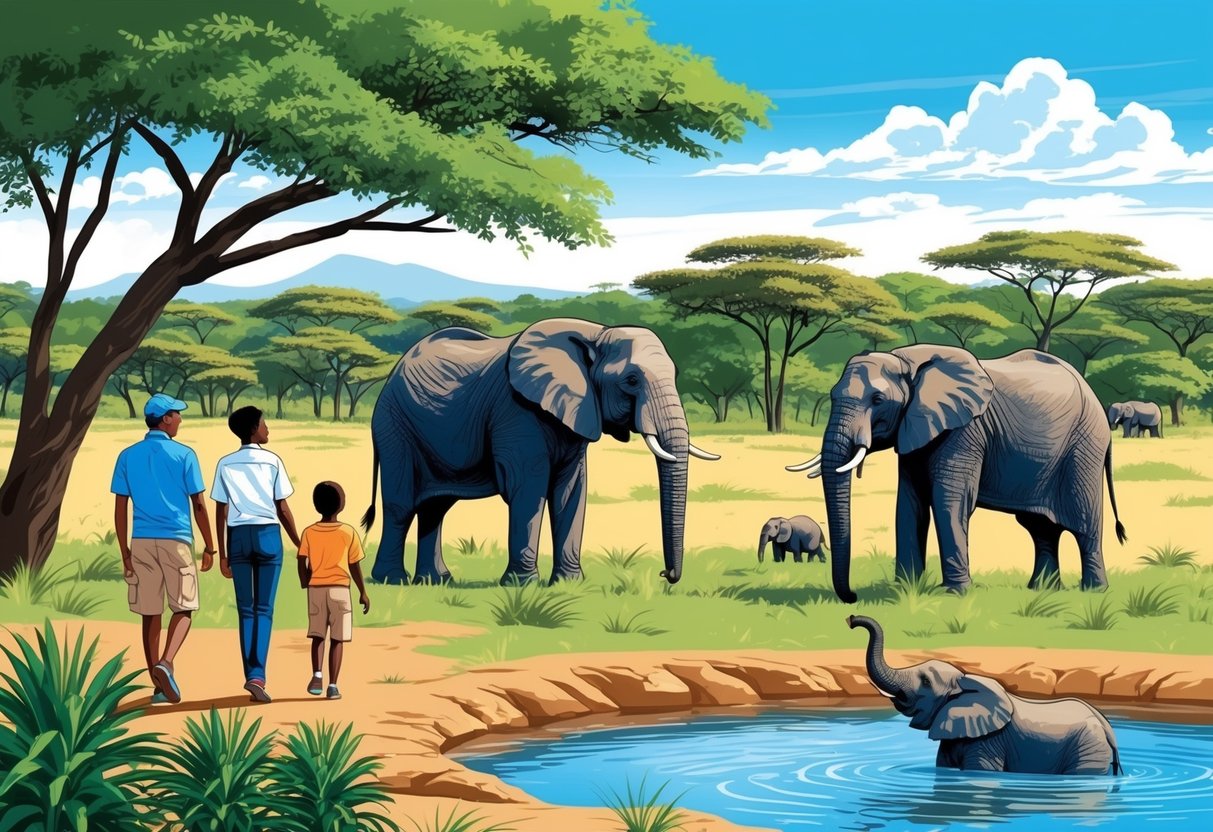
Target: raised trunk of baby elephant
x,y
837,448
889,679
663,412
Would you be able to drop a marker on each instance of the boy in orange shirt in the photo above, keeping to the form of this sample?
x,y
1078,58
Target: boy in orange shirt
x,y
329,553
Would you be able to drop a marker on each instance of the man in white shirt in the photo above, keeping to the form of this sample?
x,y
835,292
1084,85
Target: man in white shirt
x,y
250,491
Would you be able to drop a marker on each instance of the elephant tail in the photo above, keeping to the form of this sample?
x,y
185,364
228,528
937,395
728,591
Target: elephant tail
x,y
1107,467
368,519
1117,768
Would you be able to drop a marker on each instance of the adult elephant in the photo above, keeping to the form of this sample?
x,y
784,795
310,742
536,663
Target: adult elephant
x,y
464,415
1136,417
1023,434
982,727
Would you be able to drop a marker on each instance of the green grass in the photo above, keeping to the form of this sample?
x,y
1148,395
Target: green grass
x,y
617,623
104,567
1156,471
594,498
1170,557
1150,602
709,493
466,822
640,811
1043,604
1094,615
531,606
1180,501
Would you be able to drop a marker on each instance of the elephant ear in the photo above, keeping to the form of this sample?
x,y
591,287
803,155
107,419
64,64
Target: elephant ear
x,y
549,365
785,532
982,706
948,389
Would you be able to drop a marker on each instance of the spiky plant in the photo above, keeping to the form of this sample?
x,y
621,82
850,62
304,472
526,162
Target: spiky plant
x,y
640,811
32,587
325,787
1170,556
1044,604
467,822
617,623
531,605
1094,616
67,759
104,567
1151,602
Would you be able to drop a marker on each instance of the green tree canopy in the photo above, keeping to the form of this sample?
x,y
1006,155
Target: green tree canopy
x,y
426,106
325,306
713,364
199,318
487,305
1095,330
338,352
968,321
1045,265
788,304
1148,376
13,343
439,315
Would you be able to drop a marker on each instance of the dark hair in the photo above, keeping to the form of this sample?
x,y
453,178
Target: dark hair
x,y
153,422
328,498
244,422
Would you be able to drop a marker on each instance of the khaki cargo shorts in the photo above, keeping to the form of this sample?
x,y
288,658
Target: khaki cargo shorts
x,y
331,609
164,568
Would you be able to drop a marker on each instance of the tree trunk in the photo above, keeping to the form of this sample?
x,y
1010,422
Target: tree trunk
x,y
1042,341
767,391
130,405
816,410
749,404
1177,410
4,401
722,408
799,400
317,401
337,399
281,395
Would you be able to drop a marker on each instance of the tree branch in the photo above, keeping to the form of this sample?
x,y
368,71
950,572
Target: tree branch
x,y
35,180
171,160
85,236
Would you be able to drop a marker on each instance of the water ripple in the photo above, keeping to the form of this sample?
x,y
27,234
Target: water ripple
x,y
864,771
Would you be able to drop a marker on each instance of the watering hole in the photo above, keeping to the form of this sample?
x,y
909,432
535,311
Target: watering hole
x,y
852,769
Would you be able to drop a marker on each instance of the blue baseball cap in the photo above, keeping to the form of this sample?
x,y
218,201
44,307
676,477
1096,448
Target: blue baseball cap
x,y
160,404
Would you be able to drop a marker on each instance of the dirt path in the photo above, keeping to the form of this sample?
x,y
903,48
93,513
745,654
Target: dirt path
x,y
408,725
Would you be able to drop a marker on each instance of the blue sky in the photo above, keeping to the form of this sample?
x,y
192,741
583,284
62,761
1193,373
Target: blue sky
x,y
897,128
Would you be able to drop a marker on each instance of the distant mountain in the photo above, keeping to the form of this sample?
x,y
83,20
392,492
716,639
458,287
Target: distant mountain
x,y
404,285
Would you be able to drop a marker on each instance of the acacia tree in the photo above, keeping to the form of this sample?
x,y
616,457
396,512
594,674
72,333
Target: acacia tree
x,y
362,380
199,318
1182,310
713,365
340,354
439,315
915,292
423,107
325,306
1094,331
967,321
779,288
1046,265
1151,376
275,374
13,342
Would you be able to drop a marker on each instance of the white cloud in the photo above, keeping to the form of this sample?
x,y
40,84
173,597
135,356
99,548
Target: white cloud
x,y
892,230
1040,125
257,182
134,187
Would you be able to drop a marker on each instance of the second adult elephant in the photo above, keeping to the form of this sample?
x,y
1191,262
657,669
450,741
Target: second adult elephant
x,y
1023,434
799,535
464,415
1136,418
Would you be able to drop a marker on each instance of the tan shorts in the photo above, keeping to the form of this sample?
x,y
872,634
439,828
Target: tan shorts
x,y
164,568
330,608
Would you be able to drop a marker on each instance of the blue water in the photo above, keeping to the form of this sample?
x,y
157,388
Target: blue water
x,y
859,770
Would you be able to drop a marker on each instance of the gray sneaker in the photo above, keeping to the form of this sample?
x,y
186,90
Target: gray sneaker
x,y
333,693
256,687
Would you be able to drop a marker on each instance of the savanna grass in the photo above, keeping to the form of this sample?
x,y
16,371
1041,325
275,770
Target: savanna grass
x,y
640,811
33,586
532,606
1170,556
1044,604
103,567
1151,602
466,822
617,623
1094,615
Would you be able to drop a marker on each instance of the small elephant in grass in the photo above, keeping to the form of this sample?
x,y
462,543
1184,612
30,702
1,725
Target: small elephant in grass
x,y
1136,417
981,727
799,535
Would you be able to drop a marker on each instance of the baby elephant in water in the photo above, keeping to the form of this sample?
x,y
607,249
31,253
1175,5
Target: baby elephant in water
x,y
981,727
799,535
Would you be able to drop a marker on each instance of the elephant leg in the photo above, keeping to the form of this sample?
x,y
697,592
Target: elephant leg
x,y
797,555
779,553
820,554
566,515
953,501
1128,431
526,518
431,567
1046,536
1154,431
389,560
913,522
1090,554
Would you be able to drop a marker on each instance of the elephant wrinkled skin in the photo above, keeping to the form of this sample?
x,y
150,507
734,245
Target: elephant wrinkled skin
x,y
799,535
1023,434
982,727
464,415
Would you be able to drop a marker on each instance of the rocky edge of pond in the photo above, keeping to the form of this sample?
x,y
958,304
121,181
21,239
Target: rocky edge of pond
x,y
432,717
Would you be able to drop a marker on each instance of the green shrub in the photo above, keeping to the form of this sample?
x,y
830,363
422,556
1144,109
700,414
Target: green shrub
x,y
215,778
1094,616
1044,604
616,623
32,586
1149,602
1170,556
77,601
65,752
642,812
103,567
531,605
324,786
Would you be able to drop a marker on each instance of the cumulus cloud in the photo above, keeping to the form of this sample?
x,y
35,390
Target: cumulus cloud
x,y
134,187
257,182
1040,125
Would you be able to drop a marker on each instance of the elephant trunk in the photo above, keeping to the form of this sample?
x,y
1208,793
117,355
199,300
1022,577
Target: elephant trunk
x,y
891,680
763,539
662,416
837,449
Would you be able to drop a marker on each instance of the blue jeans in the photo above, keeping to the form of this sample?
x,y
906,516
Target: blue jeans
x,y
255,555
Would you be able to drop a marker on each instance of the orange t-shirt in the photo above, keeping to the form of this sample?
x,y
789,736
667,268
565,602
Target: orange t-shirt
x,y
330,548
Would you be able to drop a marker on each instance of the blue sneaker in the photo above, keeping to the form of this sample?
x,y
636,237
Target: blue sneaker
x,y
162,675
158,698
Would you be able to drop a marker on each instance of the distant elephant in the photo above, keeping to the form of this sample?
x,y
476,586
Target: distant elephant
x,y
1136,416
1023,434
982,727
799,535
464,415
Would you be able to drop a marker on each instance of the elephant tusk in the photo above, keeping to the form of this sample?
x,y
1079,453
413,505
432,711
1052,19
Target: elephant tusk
x,y
881,692
815,473
804,466
700,453
854,463
658,451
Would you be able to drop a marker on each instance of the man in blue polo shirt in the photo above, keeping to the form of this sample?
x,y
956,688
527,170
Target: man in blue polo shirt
x,y
162,478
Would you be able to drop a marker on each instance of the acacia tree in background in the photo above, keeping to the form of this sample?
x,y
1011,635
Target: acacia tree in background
x,y
1046,265
781,289
1149,376
968,321
1094,330
713,365
809,383
275,375
324,306
362,380
200,319
13,342
336,354
420,107
439,315
1182,310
